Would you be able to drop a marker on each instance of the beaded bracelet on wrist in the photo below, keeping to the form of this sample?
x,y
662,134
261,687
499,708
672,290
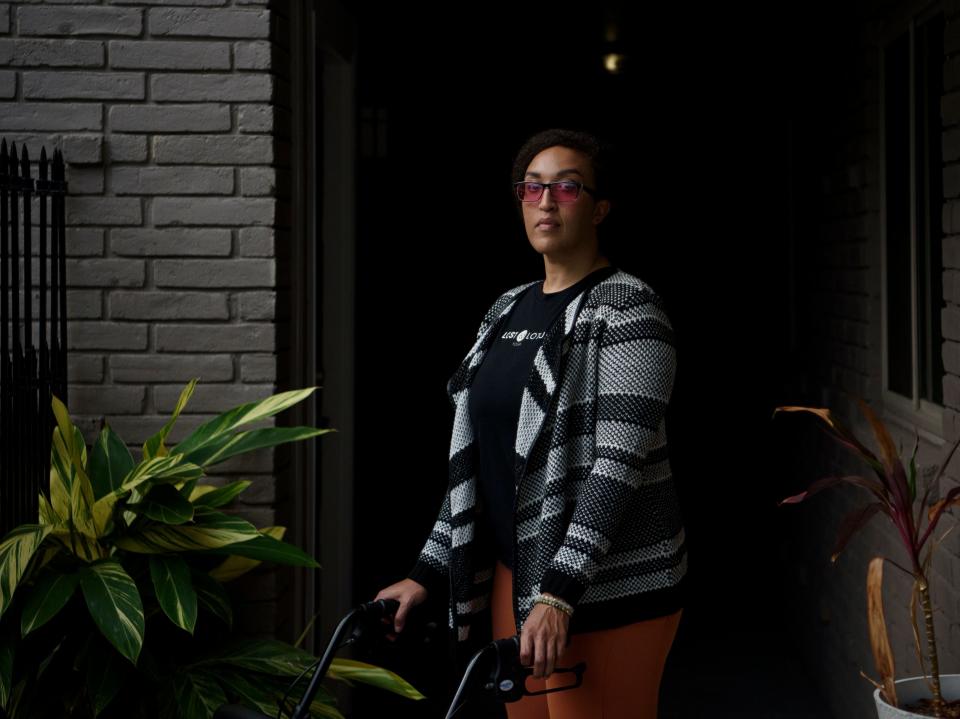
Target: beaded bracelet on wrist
x,y
554,602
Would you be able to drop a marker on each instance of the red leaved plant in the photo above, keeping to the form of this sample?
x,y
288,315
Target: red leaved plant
x,y
894,494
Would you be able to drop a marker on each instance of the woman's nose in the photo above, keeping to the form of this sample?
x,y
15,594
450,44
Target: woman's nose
x,y
546,199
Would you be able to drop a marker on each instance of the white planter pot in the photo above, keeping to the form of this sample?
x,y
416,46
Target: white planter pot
x,y
910,690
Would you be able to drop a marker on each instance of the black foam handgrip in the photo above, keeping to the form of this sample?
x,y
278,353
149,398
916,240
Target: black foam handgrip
x,y
390,606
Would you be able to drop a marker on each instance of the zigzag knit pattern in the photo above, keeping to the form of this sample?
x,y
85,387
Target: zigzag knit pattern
x,y
597,517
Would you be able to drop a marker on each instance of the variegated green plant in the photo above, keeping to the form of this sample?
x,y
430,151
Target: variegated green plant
x,y
123,548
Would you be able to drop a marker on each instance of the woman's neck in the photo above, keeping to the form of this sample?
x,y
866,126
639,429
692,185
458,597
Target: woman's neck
x,y
560,277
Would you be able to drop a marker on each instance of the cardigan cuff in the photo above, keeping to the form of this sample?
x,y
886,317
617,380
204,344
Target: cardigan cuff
x,y
562,585
434,581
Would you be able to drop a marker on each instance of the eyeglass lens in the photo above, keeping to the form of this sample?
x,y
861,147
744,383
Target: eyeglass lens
x,y
560,191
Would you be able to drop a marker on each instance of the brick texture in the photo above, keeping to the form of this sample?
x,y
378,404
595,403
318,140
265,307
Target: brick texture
x,y
166,114
840,316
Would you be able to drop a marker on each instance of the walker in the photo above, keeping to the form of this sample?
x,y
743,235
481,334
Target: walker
x,y
505,681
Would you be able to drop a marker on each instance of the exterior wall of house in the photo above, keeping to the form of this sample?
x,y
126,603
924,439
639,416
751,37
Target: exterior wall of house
x,y
171,118
837,206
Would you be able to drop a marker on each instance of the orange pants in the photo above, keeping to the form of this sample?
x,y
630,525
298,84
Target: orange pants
x,y
624,666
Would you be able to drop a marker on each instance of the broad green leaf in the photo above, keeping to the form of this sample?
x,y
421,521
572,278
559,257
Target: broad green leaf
x,y
155,447
168,470
235,565
164,504
239,416
210,530
373,675
50,594
323,705
110,462
198,490
42,666
324,702
7,649
197,695
165,470
186,488
81,505
48,553
318,708
277,658
16,701
16,550
59,482
263,548
105,670
210,496
135,496
267,656
80,545
69,458
213,597
174,590
327,711
70,489
103,514
225,446
47,514
72,446
114,604
254,693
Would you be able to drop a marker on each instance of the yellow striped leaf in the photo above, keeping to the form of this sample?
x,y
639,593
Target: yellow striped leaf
x,y
210,496
236,566
210,530
16,551
197,695
224,446
155,447
213,597
239,416
114,603
50,594
47,513
174,590
110,462
164,504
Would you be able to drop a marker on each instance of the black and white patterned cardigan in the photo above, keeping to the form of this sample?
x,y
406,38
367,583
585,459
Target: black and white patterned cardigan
x,y
597,520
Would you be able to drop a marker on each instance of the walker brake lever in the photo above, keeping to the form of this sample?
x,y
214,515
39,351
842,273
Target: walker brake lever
x,y
508,679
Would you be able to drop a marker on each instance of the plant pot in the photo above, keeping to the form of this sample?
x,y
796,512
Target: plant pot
x,y
910,690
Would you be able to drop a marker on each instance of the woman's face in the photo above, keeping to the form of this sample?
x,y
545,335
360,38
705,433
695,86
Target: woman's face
x,y
569,225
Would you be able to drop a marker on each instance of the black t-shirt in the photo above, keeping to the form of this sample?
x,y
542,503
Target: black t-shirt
x,y
495,395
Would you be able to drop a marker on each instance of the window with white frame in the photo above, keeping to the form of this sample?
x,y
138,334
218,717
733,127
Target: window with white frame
x,y
912,167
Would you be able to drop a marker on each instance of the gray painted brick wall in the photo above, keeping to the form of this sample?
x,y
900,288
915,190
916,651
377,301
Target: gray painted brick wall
x,y
166,117
841,297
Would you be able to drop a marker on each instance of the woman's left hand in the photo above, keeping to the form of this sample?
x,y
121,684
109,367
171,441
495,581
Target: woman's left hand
x,y
543,639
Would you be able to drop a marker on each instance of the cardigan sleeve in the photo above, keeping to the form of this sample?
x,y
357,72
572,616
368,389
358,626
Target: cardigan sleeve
x,y
635,373
432,564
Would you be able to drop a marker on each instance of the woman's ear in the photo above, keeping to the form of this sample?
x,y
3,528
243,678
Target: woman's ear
x,y
600,211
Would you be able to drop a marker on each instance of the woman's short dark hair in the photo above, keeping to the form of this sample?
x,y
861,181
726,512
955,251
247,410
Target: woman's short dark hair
x,y
601,153
597,150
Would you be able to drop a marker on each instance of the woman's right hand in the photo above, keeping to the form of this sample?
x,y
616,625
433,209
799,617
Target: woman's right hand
x,y
409,593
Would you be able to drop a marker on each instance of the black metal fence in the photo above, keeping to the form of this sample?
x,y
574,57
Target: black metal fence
x,y
33,351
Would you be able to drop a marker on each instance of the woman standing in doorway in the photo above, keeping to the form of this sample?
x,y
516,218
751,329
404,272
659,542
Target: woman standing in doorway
x,y
561,523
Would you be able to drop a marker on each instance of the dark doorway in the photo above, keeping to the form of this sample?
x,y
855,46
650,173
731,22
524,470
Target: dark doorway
x,y
700,114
